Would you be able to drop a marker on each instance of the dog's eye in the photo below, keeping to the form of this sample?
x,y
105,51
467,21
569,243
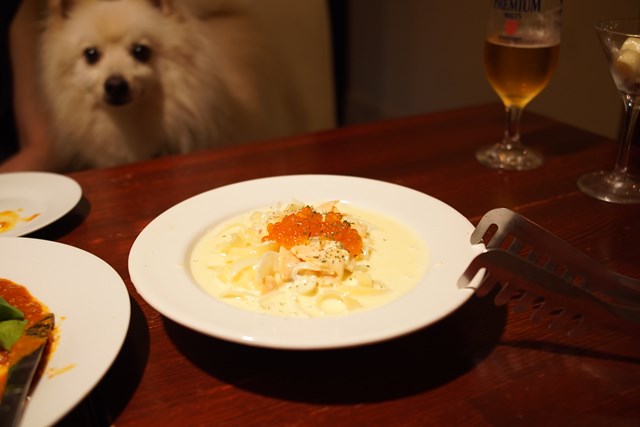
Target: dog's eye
x,y
141,52
91,55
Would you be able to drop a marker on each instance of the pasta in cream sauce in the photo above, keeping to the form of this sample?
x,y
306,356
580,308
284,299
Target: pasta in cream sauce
x,y
297,260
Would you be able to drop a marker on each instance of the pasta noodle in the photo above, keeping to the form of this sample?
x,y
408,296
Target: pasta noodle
x,y
306,261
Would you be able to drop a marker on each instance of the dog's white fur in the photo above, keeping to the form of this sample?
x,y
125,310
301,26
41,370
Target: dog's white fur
x,y
209,80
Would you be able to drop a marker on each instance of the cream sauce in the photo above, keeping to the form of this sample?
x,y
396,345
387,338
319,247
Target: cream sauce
x,y
398,258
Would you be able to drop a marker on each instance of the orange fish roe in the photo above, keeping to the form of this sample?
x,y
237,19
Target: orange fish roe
x,y
297,228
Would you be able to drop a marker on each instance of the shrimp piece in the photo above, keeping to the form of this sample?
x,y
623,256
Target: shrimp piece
x,y
286,262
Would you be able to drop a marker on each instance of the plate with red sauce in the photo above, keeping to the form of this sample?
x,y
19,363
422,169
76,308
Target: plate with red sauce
x,y
160,262
92,311
30,201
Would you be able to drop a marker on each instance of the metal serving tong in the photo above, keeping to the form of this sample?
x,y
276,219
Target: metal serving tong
x,y
539,271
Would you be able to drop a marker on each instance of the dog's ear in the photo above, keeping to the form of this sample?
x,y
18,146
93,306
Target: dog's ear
x,y
164,6
61,8
208,8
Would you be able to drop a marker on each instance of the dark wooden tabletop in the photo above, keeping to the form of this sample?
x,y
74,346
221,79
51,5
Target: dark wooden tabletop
x,y
481,365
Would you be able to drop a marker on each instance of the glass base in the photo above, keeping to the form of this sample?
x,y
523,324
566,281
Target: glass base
x,y
611,187
512,157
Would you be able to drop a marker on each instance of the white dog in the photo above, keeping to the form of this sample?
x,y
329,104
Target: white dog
x,y
127,80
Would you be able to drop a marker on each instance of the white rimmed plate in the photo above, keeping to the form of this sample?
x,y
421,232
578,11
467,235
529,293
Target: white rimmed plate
x,y
92,310
158,263
47,196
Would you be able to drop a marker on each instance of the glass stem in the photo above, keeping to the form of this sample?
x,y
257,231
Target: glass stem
x,y
512,132
631,108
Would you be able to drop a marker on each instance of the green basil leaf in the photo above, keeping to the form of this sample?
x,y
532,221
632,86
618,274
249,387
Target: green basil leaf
x,y
10,332
9,312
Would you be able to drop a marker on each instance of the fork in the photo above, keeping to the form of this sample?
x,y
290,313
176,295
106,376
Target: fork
x,y
539,271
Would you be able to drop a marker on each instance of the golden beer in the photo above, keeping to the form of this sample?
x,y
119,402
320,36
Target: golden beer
x,y
519,72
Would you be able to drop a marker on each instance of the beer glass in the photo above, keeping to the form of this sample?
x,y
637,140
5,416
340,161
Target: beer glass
x,y
520,55
620,40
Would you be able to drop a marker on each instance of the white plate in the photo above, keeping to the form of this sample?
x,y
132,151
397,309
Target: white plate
x,y
92,310
158,263
49,195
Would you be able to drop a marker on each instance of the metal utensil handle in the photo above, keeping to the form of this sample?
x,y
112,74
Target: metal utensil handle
x,y
21,375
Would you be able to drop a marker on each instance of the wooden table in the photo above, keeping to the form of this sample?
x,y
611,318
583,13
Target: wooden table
x,y
481,365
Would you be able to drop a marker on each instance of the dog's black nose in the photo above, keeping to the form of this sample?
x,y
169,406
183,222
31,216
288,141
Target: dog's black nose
x,y
117,91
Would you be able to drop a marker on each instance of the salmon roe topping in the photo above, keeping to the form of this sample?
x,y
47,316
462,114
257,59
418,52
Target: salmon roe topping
x,y
305,224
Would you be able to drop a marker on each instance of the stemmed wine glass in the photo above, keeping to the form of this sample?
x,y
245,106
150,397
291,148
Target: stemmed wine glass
x,y
620,40
520,55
